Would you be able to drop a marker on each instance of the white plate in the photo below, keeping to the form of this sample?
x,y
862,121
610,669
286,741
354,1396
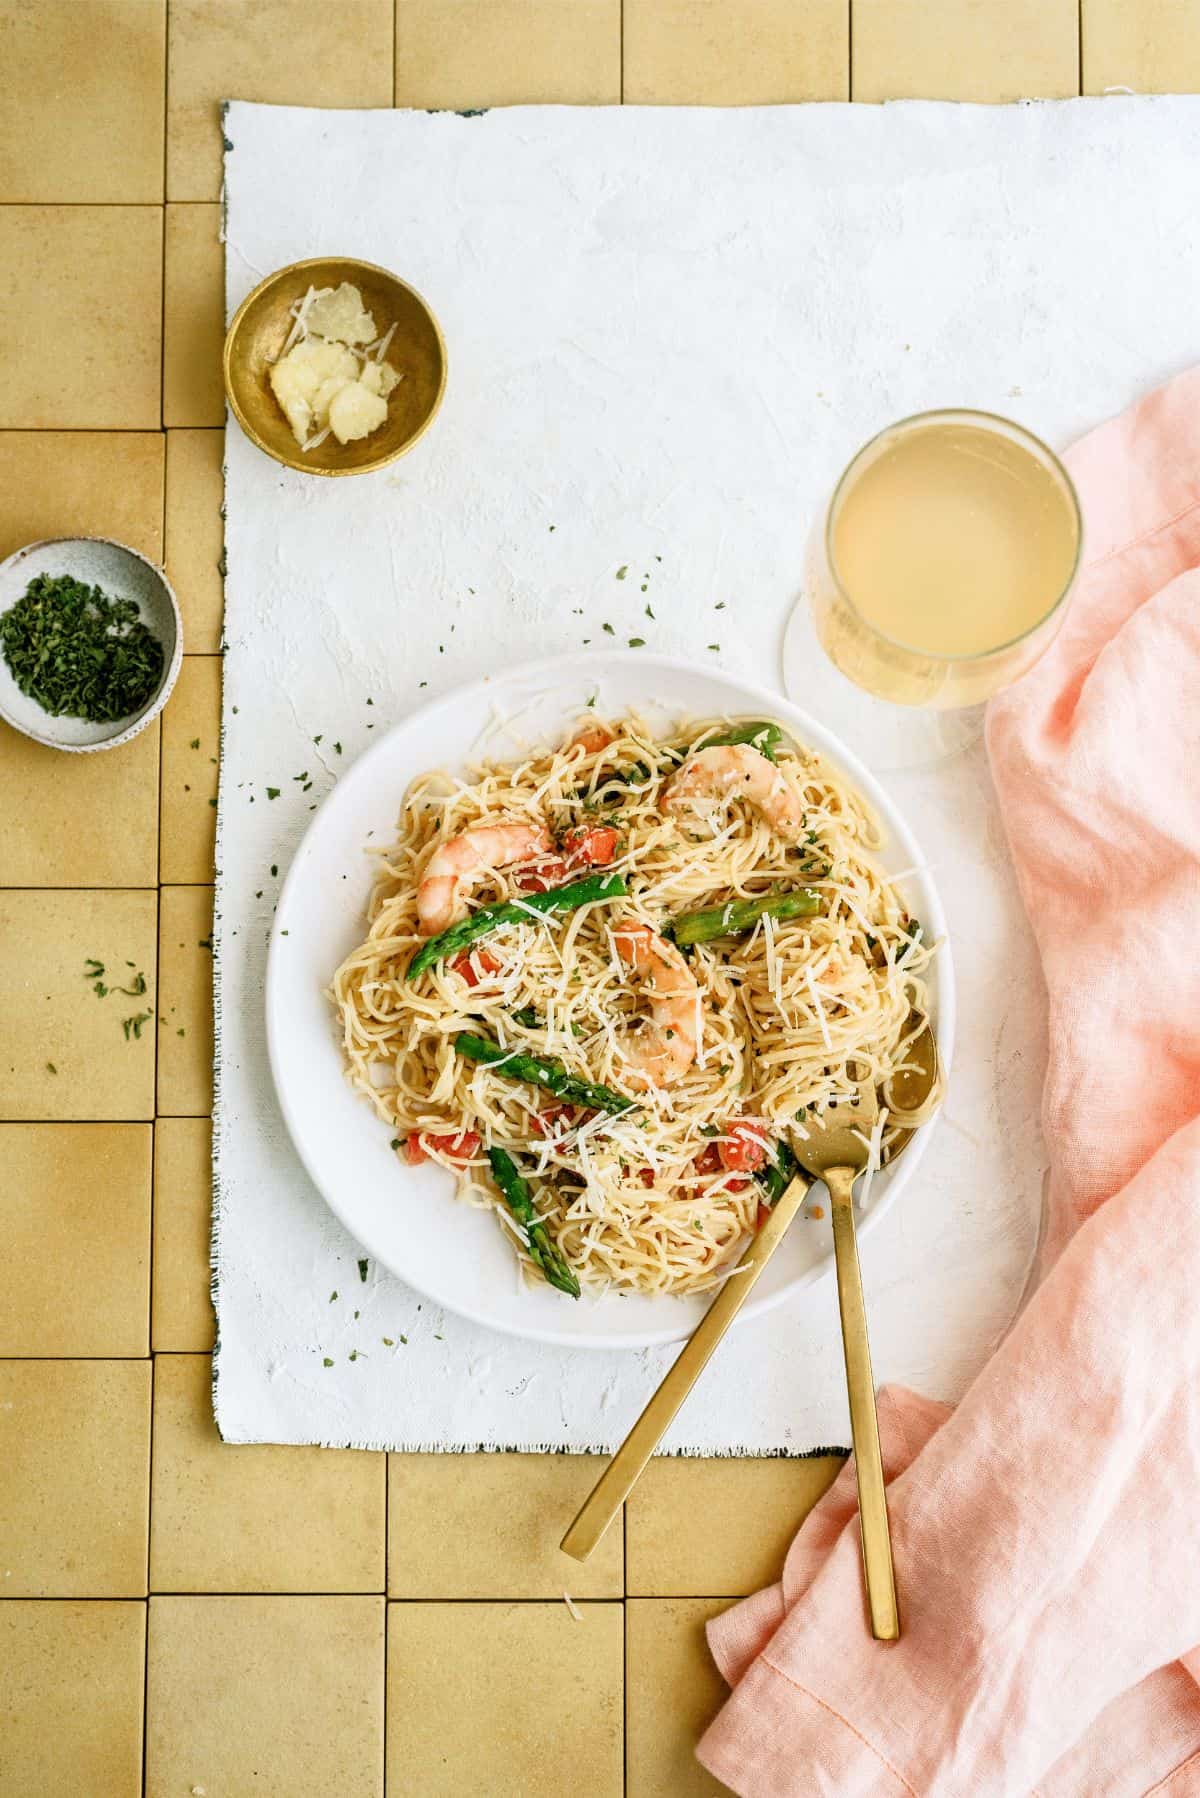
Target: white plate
x,y
408,1218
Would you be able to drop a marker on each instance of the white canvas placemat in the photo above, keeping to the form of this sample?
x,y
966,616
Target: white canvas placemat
x,y
667,331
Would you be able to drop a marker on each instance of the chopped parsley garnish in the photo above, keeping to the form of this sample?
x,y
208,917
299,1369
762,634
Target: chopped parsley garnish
x,y
50,1068
362,1271
327,1362
637,642
133,1026
622,571
912,931
80,653
195,743
272,792
609,629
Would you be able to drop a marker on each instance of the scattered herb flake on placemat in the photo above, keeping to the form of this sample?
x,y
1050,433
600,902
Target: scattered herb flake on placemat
x,y
80,653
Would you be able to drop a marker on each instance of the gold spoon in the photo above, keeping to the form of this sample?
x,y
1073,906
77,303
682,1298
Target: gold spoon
x,y
912,1092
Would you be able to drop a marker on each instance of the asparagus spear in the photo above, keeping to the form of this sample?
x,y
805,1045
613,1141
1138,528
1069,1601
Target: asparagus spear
x,y
740,915
491,917
777,1174
517,1196
543,1070
760,734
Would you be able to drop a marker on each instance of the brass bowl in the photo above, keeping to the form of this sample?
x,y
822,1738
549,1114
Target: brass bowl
x,y
260,328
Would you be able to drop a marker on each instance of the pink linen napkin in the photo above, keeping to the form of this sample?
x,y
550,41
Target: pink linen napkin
x,y
1047,1533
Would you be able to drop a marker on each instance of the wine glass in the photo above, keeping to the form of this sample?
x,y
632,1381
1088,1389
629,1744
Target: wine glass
x,y
938,572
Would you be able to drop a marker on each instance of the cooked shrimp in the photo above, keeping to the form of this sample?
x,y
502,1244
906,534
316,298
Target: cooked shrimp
x,y
591,738
738,771
665,1047
441,899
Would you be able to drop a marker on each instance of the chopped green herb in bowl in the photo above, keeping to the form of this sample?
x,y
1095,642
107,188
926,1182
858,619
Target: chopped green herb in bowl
x,y
90,642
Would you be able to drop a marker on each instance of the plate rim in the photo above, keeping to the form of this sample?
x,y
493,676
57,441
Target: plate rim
x,y
562,667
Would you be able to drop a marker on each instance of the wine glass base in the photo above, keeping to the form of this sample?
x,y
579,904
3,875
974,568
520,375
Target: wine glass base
x,y
889,738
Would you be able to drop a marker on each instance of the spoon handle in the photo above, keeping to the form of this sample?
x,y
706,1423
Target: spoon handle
x,y
624,1470
878,1572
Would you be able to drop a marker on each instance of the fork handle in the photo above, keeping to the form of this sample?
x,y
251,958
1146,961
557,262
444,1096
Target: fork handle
x,y
878,1572
625,1469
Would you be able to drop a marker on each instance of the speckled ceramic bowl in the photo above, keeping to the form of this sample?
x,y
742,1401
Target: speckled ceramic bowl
x,y
123,574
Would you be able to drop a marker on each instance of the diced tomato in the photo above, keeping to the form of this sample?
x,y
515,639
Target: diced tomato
x,y
484,959
646,1176
744,1150
540,876
460,1145
545,1121
708,1161
593,847
736,1184
592,738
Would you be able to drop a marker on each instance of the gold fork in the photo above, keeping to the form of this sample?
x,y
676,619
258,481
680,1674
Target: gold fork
x,y
836,1150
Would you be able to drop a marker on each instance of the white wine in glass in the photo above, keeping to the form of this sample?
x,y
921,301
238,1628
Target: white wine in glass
x,y
940,569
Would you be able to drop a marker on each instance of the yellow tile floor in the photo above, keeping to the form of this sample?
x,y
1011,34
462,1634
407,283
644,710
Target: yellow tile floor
x,y
176,1615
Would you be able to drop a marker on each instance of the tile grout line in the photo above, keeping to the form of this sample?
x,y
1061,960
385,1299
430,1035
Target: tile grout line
x,y
387,1499
151,1120
547,1604
625,1641
162,404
